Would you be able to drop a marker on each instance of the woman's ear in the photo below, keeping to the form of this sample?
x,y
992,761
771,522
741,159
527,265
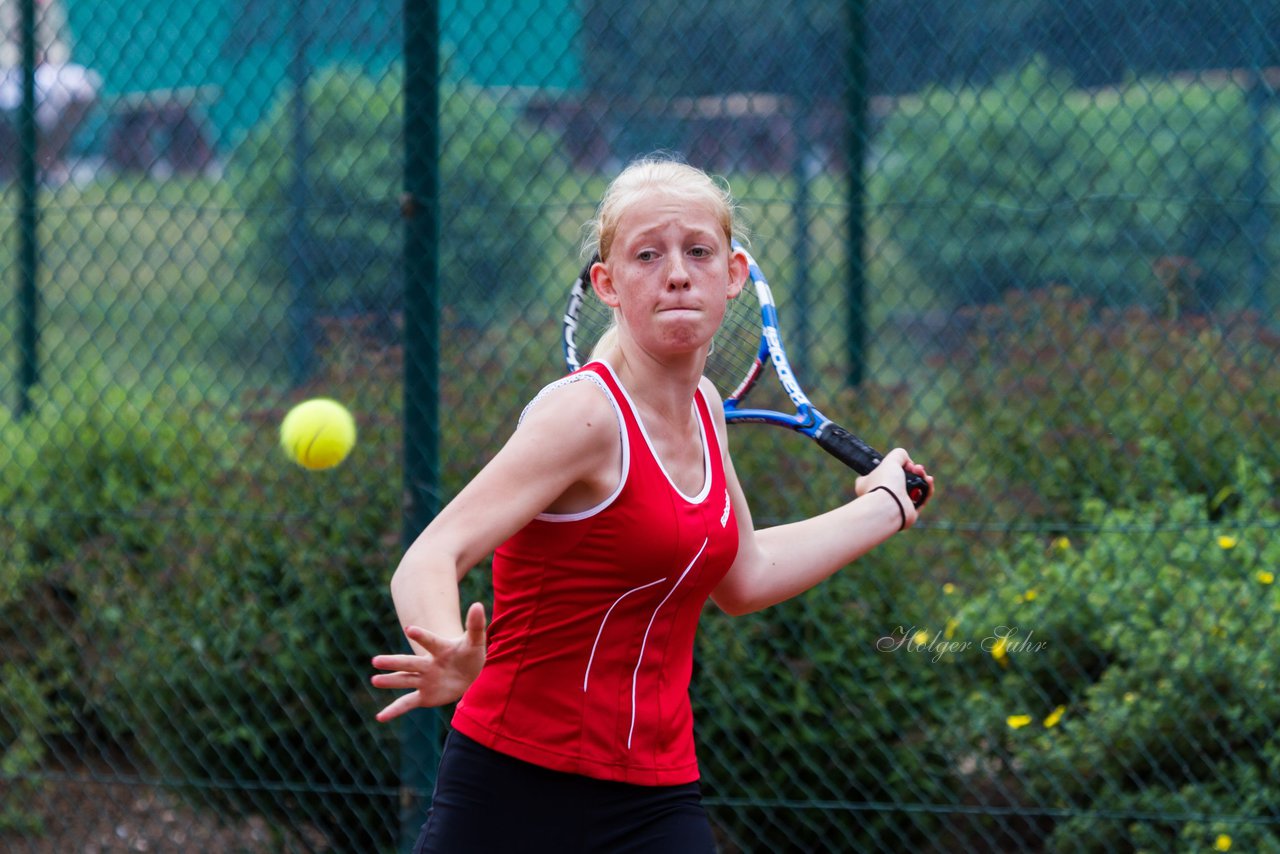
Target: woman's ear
x,y
602,284
739,271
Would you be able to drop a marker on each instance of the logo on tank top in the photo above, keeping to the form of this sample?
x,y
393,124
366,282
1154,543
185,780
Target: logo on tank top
x,y
724,517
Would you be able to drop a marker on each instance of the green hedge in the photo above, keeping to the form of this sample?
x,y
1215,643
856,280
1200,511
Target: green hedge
x,y
1134,701
1109,688
1031,181
806,730
1059,400
190,595
494,170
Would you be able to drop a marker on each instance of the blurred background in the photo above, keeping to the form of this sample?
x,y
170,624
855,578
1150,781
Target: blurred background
x,y
1034,241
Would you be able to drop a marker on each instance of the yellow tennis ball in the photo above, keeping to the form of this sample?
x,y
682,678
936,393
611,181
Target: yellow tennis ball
x,y
318,433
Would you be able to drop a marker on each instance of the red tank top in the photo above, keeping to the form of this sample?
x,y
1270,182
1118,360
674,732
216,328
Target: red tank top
x,y
594,615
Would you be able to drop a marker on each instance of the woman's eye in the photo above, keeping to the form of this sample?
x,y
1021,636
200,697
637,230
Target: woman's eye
x,y
646,255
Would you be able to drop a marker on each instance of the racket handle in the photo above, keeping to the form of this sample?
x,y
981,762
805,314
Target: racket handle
x,y
859,456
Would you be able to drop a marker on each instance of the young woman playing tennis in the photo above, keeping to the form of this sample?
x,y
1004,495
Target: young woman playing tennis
x,y
613,513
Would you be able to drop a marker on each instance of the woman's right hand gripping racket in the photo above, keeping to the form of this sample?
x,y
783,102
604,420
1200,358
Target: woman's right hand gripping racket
x,y
747,343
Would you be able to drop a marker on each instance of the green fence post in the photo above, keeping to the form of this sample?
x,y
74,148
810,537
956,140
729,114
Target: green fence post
x,y
802,214
28,216
301,352
855,149
1258,221
420,207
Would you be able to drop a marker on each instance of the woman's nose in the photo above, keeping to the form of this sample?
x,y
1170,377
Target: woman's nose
x,y
677,276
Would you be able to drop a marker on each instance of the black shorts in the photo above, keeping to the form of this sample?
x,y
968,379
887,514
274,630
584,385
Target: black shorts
x,y
488,801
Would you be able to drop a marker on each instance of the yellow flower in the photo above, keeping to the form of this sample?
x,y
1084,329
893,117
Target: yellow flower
x,y
1030,595
1265,577
1062,544
1017,721
1130,696
999,653
948,588
1227,543
1222,843
921,637
950,631
1054,717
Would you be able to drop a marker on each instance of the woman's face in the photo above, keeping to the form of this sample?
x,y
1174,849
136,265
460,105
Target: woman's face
x,y
669,274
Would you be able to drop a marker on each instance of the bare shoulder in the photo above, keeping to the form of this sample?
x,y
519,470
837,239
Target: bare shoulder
x,y
577,411
571,437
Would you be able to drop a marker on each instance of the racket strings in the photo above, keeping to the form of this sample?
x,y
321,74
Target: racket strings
x,y
736,344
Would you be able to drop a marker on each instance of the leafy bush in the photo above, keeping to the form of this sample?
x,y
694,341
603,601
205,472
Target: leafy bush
x,y
93,450
74,471
1060,400
348,236
32,681
807,729
1029,181
493,172
258,627
1132,699
179,589
1102,688
260,610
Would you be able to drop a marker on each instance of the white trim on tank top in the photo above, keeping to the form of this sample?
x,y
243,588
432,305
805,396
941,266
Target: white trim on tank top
x,y
622,433
702,433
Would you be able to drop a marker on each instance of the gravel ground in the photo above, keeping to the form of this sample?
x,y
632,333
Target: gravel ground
x,y
101,806
93,817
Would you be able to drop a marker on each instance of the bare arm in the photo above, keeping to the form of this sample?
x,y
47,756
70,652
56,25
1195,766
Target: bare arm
x,y
776,564
567,444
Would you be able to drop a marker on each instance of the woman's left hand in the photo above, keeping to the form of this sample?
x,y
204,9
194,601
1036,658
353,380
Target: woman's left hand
x,y
892,475
440,674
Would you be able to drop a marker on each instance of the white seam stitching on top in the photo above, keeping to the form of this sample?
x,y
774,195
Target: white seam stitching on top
x,y
623,474
605,619
635,674
561,383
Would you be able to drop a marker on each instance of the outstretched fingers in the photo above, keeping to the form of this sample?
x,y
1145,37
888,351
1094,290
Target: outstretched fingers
x,y
439,673
396,681
399,662
399,706
476,625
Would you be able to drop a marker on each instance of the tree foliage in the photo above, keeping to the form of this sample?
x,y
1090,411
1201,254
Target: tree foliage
x,y
711,46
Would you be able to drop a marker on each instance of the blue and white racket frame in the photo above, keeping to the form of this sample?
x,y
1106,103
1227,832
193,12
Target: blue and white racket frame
x,y
837,441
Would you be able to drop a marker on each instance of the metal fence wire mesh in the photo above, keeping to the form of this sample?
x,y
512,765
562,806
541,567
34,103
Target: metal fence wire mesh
x,y
1033,241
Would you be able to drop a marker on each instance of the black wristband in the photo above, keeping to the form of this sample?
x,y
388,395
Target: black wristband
x,y
901,510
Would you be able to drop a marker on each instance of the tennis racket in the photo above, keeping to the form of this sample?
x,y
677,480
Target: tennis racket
x,y
747,342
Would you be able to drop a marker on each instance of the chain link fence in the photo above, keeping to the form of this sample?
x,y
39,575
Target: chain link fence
x,y
1031,241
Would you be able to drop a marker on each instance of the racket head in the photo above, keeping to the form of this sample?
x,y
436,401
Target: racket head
x,y
586,319
740,351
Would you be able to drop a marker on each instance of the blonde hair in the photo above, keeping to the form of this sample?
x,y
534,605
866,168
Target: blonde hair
x,y
668,176
638,178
